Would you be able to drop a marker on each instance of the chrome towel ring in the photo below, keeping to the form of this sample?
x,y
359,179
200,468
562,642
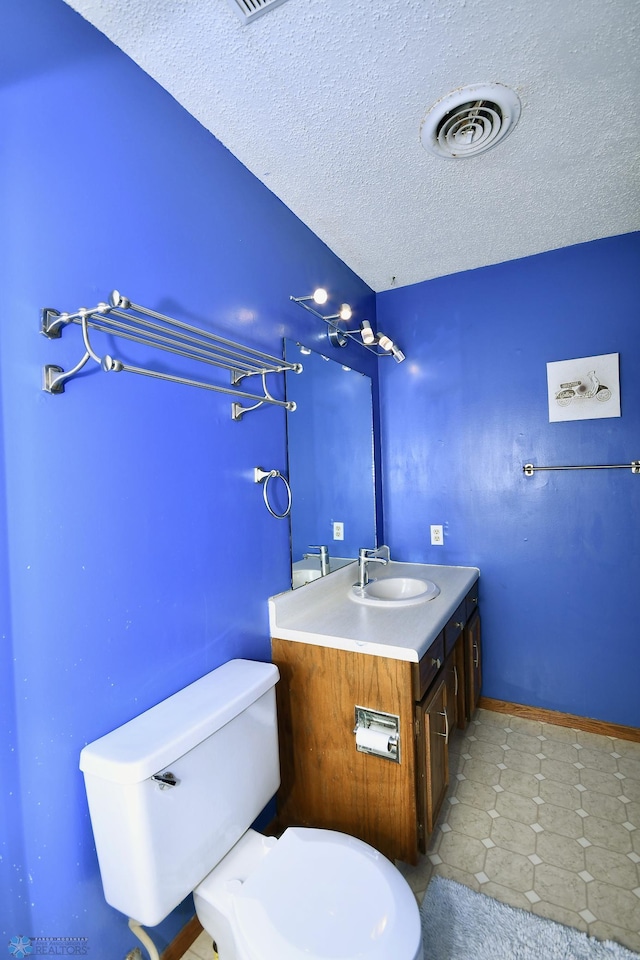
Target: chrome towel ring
x,y
263,477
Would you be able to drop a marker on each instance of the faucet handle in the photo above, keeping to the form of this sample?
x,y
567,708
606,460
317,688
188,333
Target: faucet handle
x,y
375,553
323,552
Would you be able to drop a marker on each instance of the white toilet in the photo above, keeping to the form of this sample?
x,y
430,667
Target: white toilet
x,y
172,795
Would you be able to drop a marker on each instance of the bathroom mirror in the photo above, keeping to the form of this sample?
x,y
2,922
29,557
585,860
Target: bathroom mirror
x,y
331,461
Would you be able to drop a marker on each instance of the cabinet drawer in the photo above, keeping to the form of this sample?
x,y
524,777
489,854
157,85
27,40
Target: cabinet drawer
x,y
472,600
425,671
455,627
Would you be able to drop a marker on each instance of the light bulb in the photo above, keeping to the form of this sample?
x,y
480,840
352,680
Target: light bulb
x,y
366,332
385,342
320,295
398,355
345,312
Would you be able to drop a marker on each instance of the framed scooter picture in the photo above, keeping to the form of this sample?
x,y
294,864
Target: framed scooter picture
x,y
584,389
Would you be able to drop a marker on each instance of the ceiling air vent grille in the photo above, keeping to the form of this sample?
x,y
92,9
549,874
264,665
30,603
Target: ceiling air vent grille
x,y
470,120
249,10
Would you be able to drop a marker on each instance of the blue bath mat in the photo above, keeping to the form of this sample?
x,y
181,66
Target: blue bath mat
x,y
460,924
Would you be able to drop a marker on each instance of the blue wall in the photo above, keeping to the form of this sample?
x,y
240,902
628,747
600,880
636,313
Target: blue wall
x,y
559,553
138,553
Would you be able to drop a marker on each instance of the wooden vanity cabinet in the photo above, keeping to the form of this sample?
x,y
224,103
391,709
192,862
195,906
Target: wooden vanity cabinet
x,y
326,782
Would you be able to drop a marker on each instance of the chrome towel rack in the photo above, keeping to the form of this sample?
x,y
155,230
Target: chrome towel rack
x,y
124,319
529,469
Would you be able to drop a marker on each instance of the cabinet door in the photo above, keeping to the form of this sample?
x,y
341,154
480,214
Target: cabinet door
x,y
462,716
451,679
473,662
433,768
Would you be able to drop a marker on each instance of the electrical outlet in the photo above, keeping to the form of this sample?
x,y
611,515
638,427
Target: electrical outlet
x,y
338,530
437,535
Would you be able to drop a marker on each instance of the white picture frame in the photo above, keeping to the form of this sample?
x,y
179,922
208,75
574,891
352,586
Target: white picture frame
x,y
587,388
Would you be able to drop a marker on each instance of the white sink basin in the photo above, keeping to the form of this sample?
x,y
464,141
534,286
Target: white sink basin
x,y
395,591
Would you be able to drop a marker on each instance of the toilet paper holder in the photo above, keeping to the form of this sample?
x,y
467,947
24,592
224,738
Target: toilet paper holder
x,y
377,733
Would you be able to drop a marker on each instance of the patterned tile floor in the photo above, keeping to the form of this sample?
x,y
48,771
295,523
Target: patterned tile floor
x,y
545,818
541,817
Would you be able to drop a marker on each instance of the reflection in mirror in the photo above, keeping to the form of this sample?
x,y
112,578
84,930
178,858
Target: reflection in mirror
x,y
331,465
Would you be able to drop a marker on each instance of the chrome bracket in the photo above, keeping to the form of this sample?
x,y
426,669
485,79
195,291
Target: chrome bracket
x,y
237,376
52,322
337,337
238,411
54,377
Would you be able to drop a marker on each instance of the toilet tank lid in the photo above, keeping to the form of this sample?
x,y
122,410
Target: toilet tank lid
x,y
156,738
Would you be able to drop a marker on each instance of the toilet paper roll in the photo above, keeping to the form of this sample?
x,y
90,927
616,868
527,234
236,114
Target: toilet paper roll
x,y
374,738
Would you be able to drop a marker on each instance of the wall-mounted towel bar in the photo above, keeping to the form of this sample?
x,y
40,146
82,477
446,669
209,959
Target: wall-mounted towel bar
x,y
529,469
122,318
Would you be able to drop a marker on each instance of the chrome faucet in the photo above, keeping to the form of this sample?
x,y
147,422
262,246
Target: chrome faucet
x,y
323,553
366,556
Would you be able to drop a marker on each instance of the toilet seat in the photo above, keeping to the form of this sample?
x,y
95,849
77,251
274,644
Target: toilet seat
x,y
322,895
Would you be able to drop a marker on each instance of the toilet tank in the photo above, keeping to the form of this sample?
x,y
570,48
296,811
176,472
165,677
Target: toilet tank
x,y
218,740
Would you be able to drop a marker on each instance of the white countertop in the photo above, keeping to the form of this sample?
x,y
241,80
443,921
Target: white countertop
x,y
323,613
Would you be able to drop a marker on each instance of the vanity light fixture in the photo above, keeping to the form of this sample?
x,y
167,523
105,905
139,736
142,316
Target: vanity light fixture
x,y
366,332
339,337
318,296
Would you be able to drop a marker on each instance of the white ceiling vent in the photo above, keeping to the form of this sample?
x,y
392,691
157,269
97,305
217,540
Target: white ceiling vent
x,y
470,120
249,10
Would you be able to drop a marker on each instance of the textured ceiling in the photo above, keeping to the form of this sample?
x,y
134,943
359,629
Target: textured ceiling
x,y
323,101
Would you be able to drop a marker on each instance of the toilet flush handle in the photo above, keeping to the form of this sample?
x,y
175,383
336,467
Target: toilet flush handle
x,y
166,779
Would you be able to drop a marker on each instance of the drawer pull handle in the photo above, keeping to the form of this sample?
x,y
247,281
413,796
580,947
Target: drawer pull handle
x,y
443,713
475,654
455,674
437,661
459,625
